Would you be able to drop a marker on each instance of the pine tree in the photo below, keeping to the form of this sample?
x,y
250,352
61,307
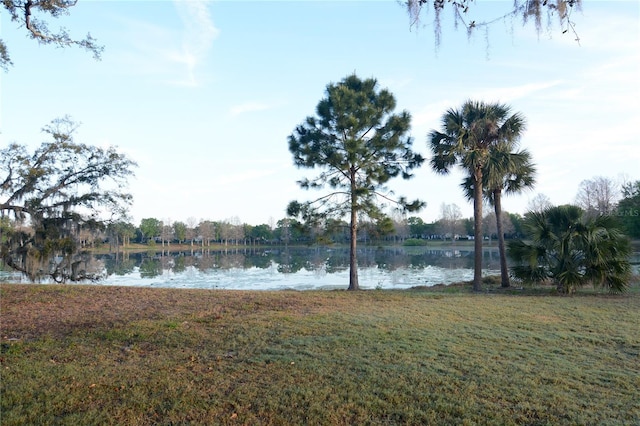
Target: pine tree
x,y
359,144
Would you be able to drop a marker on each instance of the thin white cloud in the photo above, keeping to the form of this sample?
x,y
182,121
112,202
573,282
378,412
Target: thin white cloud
x,y
509,94
197,39
172,53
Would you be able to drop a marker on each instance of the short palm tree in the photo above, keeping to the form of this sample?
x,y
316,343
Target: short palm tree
x,y
572,249
506,173
467,136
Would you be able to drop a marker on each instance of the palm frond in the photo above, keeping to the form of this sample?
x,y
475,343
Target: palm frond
x,y
575,249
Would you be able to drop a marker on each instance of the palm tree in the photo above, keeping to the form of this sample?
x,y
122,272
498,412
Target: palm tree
x,y
572,249
506,172
466,139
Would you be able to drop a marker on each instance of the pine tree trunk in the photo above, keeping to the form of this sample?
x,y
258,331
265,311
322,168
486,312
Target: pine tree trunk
x,y
353,261
504,271
477,230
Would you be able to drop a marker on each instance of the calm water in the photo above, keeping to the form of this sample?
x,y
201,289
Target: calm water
x,y
294,268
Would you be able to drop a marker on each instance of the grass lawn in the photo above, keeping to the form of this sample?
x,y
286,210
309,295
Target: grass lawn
x,y
83,355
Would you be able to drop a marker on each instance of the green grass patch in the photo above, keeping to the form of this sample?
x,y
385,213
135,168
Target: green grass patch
x,y
115,355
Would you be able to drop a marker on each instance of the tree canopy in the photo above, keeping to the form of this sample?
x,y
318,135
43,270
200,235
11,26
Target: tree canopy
x,y
598,195
47,197
33,15
628,211
359,144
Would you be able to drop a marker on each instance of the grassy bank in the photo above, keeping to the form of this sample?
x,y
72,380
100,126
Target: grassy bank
x,y
136,356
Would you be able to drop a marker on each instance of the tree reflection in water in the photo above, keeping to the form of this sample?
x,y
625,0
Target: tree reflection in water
x,y
320,260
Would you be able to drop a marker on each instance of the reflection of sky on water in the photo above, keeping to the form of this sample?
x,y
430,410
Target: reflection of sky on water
x,y
271,279
294,268
299,269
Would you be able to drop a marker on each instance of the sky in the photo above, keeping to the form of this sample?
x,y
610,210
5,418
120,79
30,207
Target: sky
x,y
203,94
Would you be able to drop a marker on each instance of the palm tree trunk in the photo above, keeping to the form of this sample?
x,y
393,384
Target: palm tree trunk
x,y
477,230
504,271
353,261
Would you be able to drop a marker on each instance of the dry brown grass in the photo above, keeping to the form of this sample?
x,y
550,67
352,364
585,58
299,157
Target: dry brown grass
x,y
139,356
32,311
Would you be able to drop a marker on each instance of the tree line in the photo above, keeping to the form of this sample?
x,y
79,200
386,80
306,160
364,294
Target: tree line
x,y
205,233
622,201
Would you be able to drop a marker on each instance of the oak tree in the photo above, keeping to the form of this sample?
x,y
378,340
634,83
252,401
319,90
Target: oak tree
x,y
150,228
33,15
50,196
467,14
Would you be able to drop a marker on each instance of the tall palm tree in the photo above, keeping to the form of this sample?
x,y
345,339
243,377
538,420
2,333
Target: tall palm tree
x,y
572,249
467,136
506,173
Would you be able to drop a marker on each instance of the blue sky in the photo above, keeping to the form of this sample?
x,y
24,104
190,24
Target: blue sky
x,y
204,94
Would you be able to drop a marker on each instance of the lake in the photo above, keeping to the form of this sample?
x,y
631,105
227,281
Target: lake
x,y
295,268
279,268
